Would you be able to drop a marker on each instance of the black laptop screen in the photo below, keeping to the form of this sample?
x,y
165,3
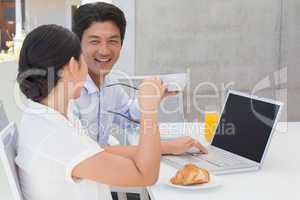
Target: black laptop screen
x,y
245,126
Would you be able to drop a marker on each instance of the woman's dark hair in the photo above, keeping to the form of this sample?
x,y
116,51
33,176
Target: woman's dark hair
x,y
45,51
87,14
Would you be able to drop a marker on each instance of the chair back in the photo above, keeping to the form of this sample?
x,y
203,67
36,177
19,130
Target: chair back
x,y
8,140
3,117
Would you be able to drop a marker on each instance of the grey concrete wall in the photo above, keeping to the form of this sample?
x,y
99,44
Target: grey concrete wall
x,y
126,61
292,53
221,44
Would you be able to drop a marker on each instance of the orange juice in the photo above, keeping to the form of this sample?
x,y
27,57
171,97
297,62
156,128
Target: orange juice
x,y
211,120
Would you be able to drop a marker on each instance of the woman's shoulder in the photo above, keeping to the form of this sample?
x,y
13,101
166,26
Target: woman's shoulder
x,y
39,121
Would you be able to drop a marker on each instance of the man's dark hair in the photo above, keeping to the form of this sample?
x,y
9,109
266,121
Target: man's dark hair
x,y
45,51
87,14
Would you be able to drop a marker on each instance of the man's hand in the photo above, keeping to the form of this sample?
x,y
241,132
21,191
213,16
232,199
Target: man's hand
x,y
181,145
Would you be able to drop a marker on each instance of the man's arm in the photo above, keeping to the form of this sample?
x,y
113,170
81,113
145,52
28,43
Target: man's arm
x,y
177,146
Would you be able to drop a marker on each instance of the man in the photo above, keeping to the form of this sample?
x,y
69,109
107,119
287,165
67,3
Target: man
x,y
101,28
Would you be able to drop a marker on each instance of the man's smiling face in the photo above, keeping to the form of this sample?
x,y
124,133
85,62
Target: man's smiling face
x,y
101,45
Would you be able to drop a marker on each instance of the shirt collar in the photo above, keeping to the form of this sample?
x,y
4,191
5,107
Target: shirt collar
x,y
91,87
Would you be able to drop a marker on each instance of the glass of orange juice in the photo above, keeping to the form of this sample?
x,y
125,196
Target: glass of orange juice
x,y
211,120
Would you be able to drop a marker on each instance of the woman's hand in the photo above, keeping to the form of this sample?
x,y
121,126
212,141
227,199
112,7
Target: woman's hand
x,y
151,92
182,145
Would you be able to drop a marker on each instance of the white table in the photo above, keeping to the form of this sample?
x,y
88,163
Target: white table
x,y
279,178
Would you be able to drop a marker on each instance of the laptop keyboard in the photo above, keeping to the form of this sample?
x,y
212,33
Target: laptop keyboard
x,y
180,161
221,159
213,161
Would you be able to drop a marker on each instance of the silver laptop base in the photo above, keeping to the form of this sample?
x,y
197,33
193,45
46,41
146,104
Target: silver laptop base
x,y
169,160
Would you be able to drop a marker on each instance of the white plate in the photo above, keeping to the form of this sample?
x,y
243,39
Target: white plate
x,y
214,182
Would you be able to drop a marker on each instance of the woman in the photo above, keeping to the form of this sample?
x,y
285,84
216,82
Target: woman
x,y
56,158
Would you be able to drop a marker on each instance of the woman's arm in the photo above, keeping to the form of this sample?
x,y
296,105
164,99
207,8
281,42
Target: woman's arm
x,y
124,151
121,170
143,167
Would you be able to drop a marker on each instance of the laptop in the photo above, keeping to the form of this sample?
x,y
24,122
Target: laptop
x,y
3,118
241,139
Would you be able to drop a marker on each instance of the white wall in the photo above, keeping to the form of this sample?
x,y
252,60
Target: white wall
x,y
45,12
9,90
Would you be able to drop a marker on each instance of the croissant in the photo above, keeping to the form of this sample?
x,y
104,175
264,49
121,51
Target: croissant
x,y
190,174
